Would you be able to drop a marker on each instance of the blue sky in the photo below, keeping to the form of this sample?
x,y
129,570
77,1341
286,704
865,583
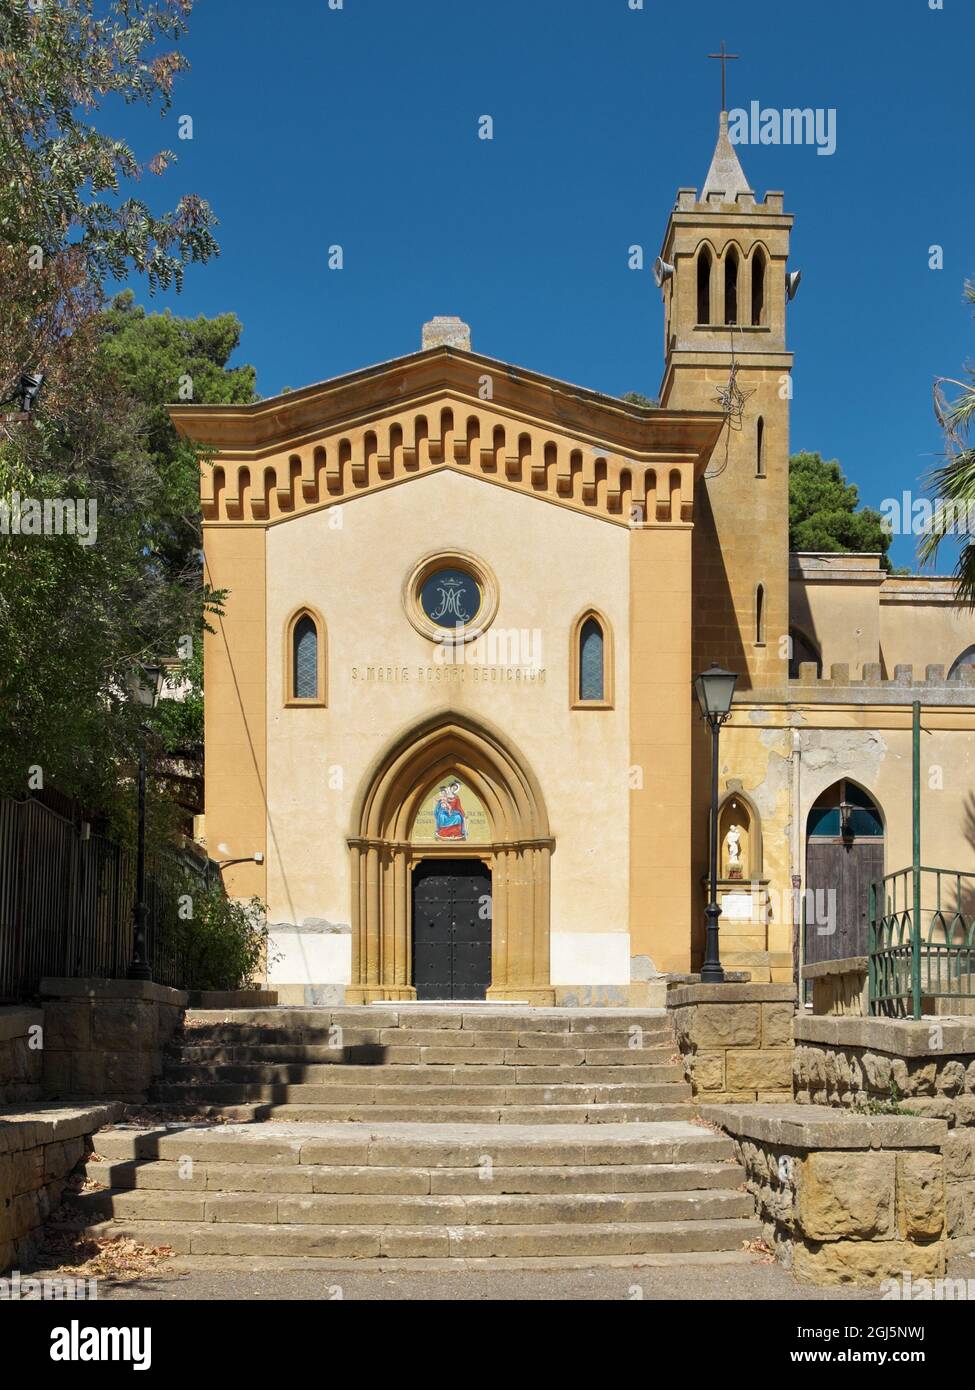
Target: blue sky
x,y
358,126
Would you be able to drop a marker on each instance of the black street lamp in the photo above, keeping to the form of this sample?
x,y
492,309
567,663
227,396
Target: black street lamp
x,y
714,689
146,684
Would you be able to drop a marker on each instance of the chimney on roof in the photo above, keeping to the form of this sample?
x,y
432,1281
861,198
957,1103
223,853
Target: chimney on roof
x,y
446,331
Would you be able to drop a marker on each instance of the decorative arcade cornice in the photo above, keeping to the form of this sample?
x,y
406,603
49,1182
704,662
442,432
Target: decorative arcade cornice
x,y
345,438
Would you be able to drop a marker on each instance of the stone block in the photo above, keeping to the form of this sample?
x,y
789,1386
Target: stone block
x,y
759,1070
124,1025
959,1155
865,1261
87,1073
950,1079
128,1073
57,1072
27,1171
707,1071
54,1160
846,1194
722,1025
777,1025
876,1071
920,1195
67,1025
960,1209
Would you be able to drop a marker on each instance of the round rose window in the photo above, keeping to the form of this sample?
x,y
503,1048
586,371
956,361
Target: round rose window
x,y
450,597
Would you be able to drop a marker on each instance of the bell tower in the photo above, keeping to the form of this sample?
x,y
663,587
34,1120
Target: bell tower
x,y
723,275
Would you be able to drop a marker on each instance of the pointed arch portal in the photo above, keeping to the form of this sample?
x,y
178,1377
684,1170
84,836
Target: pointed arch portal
x,y
514,844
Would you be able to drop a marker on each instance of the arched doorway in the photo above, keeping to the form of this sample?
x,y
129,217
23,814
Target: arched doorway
x,y
844,855
454,774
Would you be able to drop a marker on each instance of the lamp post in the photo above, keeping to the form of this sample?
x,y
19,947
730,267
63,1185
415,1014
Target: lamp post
x,y
145,683
714,689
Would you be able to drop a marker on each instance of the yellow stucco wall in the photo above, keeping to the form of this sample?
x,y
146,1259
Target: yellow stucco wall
x,y
235,705
921,624
785,758
350,563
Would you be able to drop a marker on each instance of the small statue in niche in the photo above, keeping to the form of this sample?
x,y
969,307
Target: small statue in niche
x,y
732,844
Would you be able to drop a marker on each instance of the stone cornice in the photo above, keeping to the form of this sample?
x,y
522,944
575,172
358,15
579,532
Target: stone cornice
x,y
339,440
357,397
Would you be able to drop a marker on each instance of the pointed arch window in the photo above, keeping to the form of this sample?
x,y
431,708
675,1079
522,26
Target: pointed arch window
x,y
964,662
760,616
304,657
760,448
704,285
758,287
731,286
591,662
845,811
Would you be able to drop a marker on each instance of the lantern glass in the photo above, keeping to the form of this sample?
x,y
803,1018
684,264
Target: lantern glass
x,y
715,688
146,683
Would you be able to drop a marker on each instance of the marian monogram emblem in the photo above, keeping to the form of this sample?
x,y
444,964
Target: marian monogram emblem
x,y
451,602
450,598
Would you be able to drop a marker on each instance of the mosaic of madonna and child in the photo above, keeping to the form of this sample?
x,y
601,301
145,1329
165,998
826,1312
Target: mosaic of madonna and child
x,y
451,814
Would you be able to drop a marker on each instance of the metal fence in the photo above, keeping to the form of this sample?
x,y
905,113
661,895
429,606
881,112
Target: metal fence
x,y
66,897
922,941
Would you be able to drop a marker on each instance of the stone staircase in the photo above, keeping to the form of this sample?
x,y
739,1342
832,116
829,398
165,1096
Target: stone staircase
x,y
436,1065
434,1133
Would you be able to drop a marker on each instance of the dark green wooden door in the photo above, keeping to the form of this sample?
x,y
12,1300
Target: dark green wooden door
x,y
451,929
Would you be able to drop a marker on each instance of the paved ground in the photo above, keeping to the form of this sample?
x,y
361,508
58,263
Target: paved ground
x,y
730,1279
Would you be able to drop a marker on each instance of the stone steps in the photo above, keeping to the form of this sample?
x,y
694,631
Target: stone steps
x,y
372,1209
424,1133
161,1176
446,1015
461,1092
416,1191
329,1242
399,1145
199,1100
274,1054
273,1064
365,1026
491,1065
453,1191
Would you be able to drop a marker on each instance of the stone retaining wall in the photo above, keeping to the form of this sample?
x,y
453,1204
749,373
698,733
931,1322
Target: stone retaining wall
x,y
736,1040
106,1037
928,1067
840,987
849,1198
39,1149
21,1043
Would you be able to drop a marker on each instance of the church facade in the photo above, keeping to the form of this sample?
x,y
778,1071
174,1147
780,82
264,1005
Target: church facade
x,y
449,715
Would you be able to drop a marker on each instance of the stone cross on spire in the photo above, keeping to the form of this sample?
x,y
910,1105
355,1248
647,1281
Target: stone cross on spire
x,y
726,176
725,58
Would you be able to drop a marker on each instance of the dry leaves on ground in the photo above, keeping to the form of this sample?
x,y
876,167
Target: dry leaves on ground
x,y
100,1257
759,1247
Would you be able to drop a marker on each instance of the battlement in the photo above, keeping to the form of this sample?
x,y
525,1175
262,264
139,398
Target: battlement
x,y
902,679
873,688
744,201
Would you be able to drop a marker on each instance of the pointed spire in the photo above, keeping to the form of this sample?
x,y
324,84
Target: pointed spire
x,y
726,176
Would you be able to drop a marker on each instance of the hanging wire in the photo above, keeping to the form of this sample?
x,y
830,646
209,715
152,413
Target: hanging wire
x,y
732,399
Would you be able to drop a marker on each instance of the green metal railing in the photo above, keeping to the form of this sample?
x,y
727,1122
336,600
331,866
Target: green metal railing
x,y
922,940
922,925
